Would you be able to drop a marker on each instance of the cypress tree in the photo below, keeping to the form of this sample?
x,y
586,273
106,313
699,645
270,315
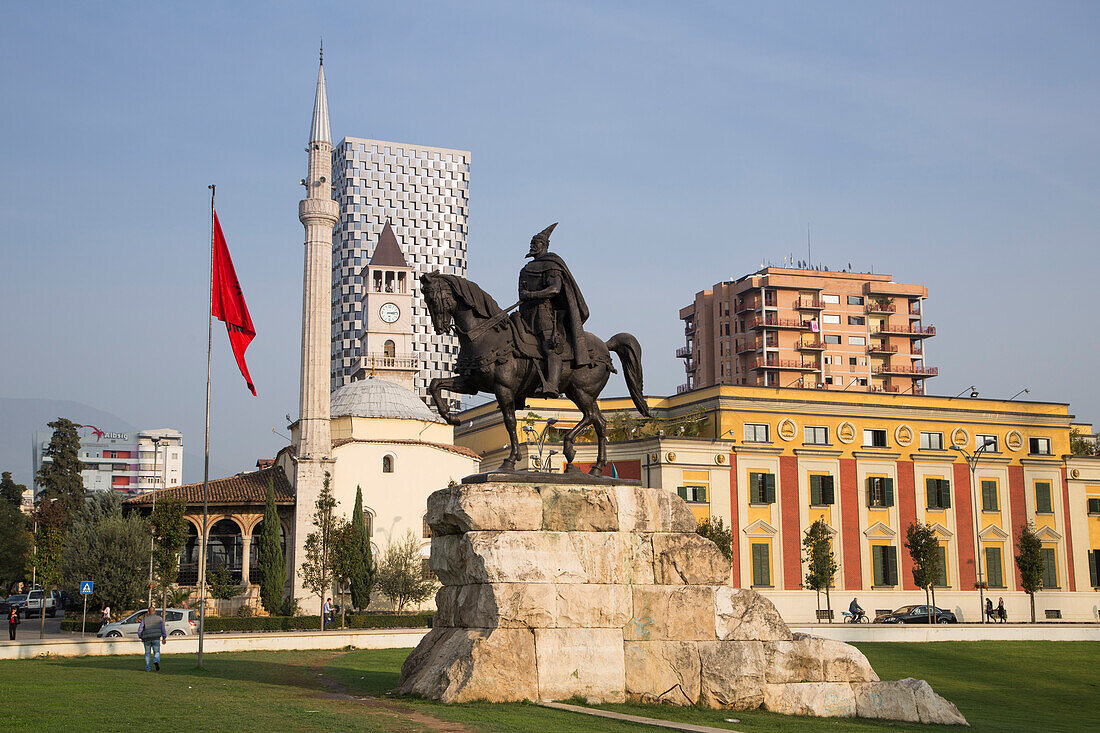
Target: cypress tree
x,y
362,579
271,560
60,476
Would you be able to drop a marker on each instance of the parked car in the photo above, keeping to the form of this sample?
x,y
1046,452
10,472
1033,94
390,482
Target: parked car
x,y
18,601
177,622
33,606
918,615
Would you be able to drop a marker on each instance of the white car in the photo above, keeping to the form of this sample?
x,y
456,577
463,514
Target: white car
x,y
33,606
177,622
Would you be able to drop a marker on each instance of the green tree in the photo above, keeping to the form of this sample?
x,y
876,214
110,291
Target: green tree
x,y
10,491
221,584
169,535
271,560
51,526
821,565
317,566
1080,445
59,477
401,576
1029,560
344,560
714,530
924,551
362,575
15,545
111,547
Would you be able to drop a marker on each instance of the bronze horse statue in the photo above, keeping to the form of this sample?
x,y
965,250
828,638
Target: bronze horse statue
x,y
496,355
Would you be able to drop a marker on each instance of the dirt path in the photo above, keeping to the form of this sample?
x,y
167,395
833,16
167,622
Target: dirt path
x,y
397,711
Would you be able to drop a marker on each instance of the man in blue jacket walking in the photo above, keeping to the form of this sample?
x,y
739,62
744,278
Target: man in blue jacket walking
x,y
152,634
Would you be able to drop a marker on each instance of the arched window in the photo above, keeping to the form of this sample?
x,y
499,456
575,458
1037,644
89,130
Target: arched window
x,y
389,349
226,547
387,463
255,570
189,558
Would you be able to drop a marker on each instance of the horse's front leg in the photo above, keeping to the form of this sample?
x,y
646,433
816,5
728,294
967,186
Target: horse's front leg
x,y
506,402
435,389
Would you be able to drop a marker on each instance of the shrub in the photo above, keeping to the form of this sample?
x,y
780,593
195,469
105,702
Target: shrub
x,y
305,623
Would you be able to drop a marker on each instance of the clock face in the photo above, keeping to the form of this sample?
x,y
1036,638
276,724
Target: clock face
x,y
389,312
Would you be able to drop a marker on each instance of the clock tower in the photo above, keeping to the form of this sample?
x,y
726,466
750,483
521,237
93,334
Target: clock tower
x,y
387,350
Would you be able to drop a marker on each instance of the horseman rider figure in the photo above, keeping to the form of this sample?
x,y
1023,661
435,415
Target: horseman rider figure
x,y
552,310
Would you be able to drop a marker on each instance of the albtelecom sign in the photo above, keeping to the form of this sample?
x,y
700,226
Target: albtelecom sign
x,y
101,435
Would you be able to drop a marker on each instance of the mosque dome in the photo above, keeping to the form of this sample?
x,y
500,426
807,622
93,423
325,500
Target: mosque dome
x,y
373,397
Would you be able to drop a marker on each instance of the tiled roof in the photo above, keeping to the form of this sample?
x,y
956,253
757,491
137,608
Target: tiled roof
x,y
441,446
244,488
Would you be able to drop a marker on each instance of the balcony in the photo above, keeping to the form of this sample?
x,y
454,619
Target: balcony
x,y
382,361
889,388
882,349
811,346
919,372
683,388
684,352
813,304
883,307
906,330
784,365
689,329
747,304
776,322
741,346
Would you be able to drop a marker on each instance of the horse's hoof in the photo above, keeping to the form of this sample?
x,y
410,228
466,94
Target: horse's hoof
x,y
507,466
573,470
594,471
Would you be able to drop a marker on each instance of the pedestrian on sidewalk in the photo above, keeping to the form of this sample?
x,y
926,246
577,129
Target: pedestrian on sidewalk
x,y
152,634
13,621
327,612
106,615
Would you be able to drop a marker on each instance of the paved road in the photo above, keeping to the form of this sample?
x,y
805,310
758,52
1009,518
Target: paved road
x,y
30,629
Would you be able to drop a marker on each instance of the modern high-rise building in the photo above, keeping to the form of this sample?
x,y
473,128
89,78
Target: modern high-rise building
x,y
125,462
786,327
423,194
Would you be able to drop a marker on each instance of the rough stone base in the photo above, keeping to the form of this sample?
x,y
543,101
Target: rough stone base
x,y
553,590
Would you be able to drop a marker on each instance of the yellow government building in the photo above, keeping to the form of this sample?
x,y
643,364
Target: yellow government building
x,y
770,461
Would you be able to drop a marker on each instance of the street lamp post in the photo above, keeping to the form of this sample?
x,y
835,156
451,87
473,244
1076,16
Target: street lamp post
x,y
156,448
972,462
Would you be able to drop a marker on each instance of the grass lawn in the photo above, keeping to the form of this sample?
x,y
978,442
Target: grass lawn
x,y
1022,686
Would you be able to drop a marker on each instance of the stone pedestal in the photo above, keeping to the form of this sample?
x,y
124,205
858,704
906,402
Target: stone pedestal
x,y
607,593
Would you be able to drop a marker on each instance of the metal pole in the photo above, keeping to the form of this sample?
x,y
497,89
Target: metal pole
x,y
206,460
977,529
152,530
84,618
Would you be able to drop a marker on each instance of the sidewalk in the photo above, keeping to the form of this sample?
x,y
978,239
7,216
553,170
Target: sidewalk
x,y
952,632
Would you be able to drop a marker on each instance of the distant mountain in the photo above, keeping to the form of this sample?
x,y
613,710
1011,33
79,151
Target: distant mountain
x,y
21,418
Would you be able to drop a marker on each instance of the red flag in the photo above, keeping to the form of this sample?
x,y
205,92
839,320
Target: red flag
x,y
227,303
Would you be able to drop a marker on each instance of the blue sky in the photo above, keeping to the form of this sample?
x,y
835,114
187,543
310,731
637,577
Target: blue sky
x,y
678,144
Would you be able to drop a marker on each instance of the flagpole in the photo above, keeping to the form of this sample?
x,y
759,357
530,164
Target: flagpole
x,y
206,460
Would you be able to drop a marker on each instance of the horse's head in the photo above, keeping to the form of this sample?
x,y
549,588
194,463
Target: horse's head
x,y
440,299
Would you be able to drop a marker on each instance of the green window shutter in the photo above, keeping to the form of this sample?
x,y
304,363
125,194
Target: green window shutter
x,y
1050,568
1042,497
931,492
888,492
877,564
941,574
989,496
827,494
945,493
769,492
702,494
815,490
754,488
1094,571
993,571
870,491
891,565
683,492
760,564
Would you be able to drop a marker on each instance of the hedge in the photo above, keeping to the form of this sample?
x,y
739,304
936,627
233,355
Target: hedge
x,y
287,623
308,623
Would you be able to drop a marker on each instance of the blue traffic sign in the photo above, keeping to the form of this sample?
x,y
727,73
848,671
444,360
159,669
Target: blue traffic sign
x,y
86,587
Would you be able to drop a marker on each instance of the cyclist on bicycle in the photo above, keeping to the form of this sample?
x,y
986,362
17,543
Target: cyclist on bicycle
x,y
856,611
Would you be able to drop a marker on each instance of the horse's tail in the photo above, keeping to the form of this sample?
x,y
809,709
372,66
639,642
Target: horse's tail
x,y
630,354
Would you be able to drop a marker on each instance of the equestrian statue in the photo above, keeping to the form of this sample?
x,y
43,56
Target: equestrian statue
x,y
541,350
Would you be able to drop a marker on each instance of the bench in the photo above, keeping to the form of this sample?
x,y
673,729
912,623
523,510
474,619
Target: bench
x,y
824,615
1054,613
